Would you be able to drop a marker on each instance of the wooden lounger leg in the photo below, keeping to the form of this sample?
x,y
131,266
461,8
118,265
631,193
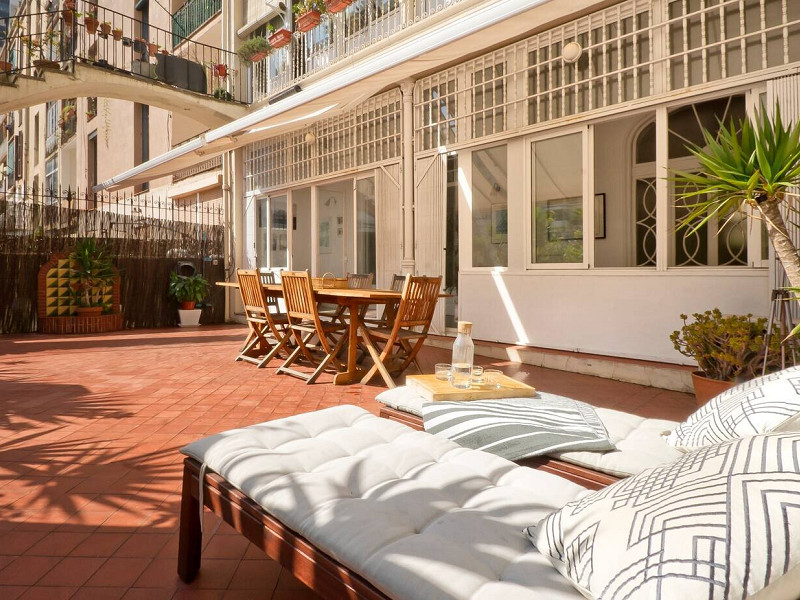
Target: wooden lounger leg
x,y
190,542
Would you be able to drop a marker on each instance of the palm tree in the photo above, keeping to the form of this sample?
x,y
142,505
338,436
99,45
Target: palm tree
x,y
754,164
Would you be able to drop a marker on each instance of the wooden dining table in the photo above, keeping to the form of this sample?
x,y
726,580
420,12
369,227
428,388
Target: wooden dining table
x,y
354,300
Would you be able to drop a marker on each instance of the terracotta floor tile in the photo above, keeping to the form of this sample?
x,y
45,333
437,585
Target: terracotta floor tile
x,y
48,593
100,544
57,543
27,570
148,594
119,572
143,544
99,593
256,575
18,542
72,571
12,592
160,573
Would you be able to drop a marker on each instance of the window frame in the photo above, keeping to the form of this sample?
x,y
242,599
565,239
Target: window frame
x,y
587,156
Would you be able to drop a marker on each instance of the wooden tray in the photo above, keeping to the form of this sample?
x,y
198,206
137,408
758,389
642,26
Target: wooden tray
x,y
436,390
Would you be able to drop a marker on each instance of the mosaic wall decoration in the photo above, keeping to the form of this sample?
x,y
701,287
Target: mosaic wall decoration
x,y
58,299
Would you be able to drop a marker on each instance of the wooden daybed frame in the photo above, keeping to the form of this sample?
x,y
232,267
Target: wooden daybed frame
x,y
320,572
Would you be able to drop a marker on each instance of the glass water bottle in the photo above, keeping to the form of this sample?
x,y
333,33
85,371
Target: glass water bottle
x,y
463,351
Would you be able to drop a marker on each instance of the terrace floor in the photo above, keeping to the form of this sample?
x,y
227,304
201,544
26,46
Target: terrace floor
x,y
90,472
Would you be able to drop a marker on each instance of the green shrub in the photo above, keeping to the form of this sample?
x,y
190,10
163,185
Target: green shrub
x,y
188,288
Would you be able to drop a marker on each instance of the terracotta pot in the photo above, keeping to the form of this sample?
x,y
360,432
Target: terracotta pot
x,y
91,24
117,33
5,66
705,389
335,6
259,56
221,70
152,48
105,28
69,4
307,21
188,305
89,311
280,38
68,16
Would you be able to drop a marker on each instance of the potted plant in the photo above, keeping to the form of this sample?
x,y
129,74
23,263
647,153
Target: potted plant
x,y
308,14
91,270
69,111
336,6
117,33
278,38
188,290
5,66
70,4
222,94
91,23
69,15
105,29
152,48
163,51
254,49
90,114
727,348
221,70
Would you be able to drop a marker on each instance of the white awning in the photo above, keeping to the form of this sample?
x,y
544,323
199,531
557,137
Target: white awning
x,y
457,34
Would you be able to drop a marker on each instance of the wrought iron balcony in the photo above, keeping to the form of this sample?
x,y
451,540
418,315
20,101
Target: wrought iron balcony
x,y
191,16
338,37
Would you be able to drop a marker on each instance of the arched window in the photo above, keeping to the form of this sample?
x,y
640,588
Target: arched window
x,y
713,244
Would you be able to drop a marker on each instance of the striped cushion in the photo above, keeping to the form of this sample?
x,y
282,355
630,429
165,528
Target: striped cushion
x,y
520,427
762,405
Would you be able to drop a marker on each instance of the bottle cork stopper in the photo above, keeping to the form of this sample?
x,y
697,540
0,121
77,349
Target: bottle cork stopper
x,y
465,327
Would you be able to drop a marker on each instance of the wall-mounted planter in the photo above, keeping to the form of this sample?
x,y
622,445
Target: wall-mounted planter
x,y
91,24
307,21
280,38
335,6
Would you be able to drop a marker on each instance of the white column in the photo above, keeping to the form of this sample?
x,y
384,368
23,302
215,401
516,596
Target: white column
x,y
663,212
407,89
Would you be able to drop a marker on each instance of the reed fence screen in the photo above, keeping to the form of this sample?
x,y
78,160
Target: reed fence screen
x,y
148,237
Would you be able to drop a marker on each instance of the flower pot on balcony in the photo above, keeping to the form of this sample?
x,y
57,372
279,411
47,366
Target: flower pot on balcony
x,y
152,48
189,318
259,56
221,70
307,21
705,388
43,63
117,33
69,17
70,4
5,66
105,29
91,24
335,6
280,38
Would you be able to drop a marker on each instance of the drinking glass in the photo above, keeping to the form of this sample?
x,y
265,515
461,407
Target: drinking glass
x,y
477,375
493,377
442,371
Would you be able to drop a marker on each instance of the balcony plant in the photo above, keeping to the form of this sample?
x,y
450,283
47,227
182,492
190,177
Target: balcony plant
x,y
105,29
91,23
70,4
117,33
278,38
727,348
221,70
91,271
308,14
254,49
750,164
336,6
222,94
69,15
188,290
69,111
152,48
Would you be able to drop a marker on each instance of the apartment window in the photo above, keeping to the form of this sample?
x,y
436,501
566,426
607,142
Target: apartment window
x,y
51,179
36,139
557,200
51,128
91,108
490,207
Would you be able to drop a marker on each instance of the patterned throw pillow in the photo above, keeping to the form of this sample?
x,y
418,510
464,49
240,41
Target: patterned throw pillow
x,y
722,522
769,403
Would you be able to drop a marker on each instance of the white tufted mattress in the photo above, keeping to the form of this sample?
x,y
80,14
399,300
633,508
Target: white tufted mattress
x,y
639,441
416,515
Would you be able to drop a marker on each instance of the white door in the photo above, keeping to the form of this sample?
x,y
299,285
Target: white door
x,y
389,224
431,182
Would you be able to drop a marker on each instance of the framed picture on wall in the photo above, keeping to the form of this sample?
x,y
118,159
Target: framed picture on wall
x,y
500,224
599,216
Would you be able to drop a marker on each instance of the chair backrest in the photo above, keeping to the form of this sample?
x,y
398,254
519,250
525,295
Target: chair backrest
x,y
398,281
268,278
298,295
418,302
253,298
359,281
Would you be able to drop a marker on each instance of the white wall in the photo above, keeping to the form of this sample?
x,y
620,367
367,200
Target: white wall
x,y
618,313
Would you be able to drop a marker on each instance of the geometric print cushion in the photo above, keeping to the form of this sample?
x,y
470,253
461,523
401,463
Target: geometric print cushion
x,y
764,404
722,522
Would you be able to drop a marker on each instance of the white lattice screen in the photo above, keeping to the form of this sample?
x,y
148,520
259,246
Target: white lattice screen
x,y
632,50
367,135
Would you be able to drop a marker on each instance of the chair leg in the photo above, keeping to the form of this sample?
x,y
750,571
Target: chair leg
x,y
378,367
330,356
190,540
282,343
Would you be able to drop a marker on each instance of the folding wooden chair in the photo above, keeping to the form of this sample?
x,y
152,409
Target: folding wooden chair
x,y
261,321
390,310
305,324
355,281
403,340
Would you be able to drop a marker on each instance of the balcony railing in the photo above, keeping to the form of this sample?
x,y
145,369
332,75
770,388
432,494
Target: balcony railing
x,y
111,40
338,37
191,16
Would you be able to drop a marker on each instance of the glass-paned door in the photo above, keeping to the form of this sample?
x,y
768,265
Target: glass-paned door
x,y
365,225
301,229
335,242
557,200
272,237
451,244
